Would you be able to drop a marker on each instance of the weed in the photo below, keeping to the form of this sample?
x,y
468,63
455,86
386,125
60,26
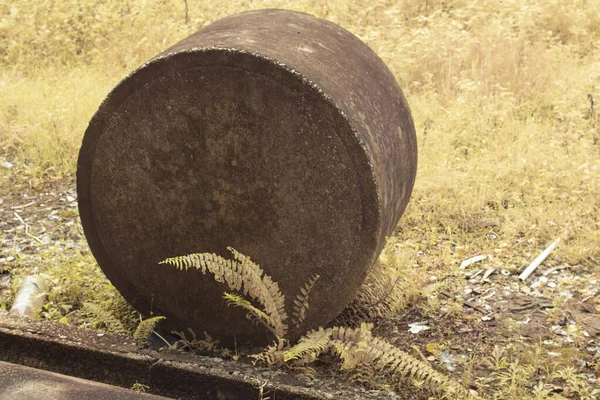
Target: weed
x,y
357,348
139,387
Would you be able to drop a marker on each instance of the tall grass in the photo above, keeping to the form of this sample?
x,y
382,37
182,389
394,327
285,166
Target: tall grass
x,y
499,91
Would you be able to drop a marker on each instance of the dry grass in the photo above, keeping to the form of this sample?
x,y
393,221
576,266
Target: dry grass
x,y
500,92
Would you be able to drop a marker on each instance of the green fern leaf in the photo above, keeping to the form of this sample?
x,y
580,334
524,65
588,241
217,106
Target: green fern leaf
x,y
301,301
103,317
273,355
254,314
146,327
241,275
312,344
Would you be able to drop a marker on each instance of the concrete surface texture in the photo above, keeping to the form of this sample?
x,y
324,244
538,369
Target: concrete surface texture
x,y
23,383
274,132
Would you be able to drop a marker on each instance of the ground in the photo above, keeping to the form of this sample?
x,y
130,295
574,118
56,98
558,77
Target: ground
x,y
504,98
495,334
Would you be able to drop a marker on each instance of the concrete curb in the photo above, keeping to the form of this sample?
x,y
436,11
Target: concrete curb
x,y
23,383
119,361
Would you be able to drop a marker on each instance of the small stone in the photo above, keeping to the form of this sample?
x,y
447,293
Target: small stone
x,y
572,328
417,327
525,289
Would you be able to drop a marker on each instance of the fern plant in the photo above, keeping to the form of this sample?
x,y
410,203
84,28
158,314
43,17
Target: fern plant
x,y
387,289
101,317
146,327
244,276
361,353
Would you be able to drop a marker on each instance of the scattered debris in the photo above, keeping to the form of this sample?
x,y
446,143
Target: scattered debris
x,y
7,164
432,348
472,260
4,287
487,274
31,297
585,315
417,327
554,269
475,274
20,207
540,259
448,361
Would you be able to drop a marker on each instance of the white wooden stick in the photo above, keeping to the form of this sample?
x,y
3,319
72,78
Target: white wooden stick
x,y
540,259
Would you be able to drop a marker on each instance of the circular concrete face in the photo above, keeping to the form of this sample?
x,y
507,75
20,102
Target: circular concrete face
x,y
224,140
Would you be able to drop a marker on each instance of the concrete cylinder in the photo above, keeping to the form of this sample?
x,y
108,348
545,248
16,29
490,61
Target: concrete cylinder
x,y
272,131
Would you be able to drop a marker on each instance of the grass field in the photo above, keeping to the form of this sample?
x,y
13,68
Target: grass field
x,y
505,96
500,95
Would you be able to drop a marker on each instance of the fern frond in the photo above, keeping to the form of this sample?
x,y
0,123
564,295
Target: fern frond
x,y
301,302
306,374
103,317
352,354
202,346
241,275
261,287
365,374
146,327
358,346
402,364
385,291
348,335
254,314
273,355
309,347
